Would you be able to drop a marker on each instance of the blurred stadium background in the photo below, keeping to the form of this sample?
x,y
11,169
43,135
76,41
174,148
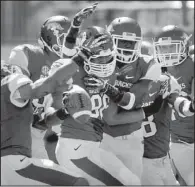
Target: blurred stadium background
x,y
21,20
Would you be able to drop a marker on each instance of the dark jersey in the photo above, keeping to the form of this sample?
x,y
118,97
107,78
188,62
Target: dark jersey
x,y
156,127
136,77
182,128
16,118
92,130
32,59
157,133
35,62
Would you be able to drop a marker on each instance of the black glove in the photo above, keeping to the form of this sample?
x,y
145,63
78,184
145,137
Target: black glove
x,y
153,108
92,82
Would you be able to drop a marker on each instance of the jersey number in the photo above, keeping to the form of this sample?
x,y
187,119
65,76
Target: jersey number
x,y
151,125
98,105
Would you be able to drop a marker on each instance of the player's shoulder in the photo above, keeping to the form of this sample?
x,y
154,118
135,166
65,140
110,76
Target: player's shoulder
x,y
27,51
146,59
188,63
151,69
23,55
189,60
26,48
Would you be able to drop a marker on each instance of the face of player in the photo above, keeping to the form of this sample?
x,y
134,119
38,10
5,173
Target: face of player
x,y
169,53
101,66
127,49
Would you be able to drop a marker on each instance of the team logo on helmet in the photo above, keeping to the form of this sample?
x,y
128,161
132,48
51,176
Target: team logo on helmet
x,y
55,27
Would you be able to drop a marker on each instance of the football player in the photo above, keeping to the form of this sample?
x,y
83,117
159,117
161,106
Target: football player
x,y
57,40
78,144
134,76
171,51
156,163
18,167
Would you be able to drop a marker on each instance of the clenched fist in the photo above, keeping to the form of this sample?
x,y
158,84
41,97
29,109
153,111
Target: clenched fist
x,y
169,85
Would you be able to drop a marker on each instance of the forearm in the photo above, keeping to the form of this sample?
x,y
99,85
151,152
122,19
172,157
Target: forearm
x,y
183,107
125,117
123,99
48,85
131,99
71,41
71,37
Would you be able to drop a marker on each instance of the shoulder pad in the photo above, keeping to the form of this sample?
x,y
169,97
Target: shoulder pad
x,y
147,58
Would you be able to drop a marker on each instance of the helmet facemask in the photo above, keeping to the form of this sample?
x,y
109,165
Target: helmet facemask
x,y
128,47
170,52
102,65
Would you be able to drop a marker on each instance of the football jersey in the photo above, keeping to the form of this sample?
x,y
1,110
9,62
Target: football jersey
x,y
34,62
182,128
128,79
156,133
16,118
32,59
92,130
156,128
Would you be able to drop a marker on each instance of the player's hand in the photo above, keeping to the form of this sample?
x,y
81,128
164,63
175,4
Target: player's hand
x,y
169,85
83,14
94,83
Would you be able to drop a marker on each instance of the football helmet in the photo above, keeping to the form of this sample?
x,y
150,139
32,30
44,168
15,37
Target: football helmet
x,y
53,34
126,34
171,46
98,43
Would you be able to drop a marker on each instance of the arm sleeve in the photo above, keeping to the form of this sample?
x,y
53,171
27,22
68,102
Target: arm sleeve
x,y
69,47
137,96
17,81
153,71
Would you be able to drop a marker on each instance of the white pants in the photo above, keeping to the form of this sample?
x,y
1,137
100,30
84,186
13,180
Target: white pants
x,y
98,166
157,172
38,145
129,149
21,170
183,158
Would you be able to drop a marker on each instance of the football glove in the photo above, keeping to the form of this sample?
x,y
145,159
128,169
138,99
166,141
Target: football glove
x,y
92,82
169,85
83,14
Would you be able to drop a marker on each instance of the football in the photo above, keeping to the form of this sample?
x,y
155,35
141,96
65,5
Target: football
x,y
78,103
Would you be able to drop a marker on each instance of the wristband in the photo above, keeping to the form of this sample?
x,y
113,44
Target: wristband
x,y
78,59
113,93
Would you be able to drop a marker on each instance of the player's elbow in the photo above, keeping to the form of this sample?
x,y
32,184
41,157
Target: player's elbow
x,y
183,107
128,100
